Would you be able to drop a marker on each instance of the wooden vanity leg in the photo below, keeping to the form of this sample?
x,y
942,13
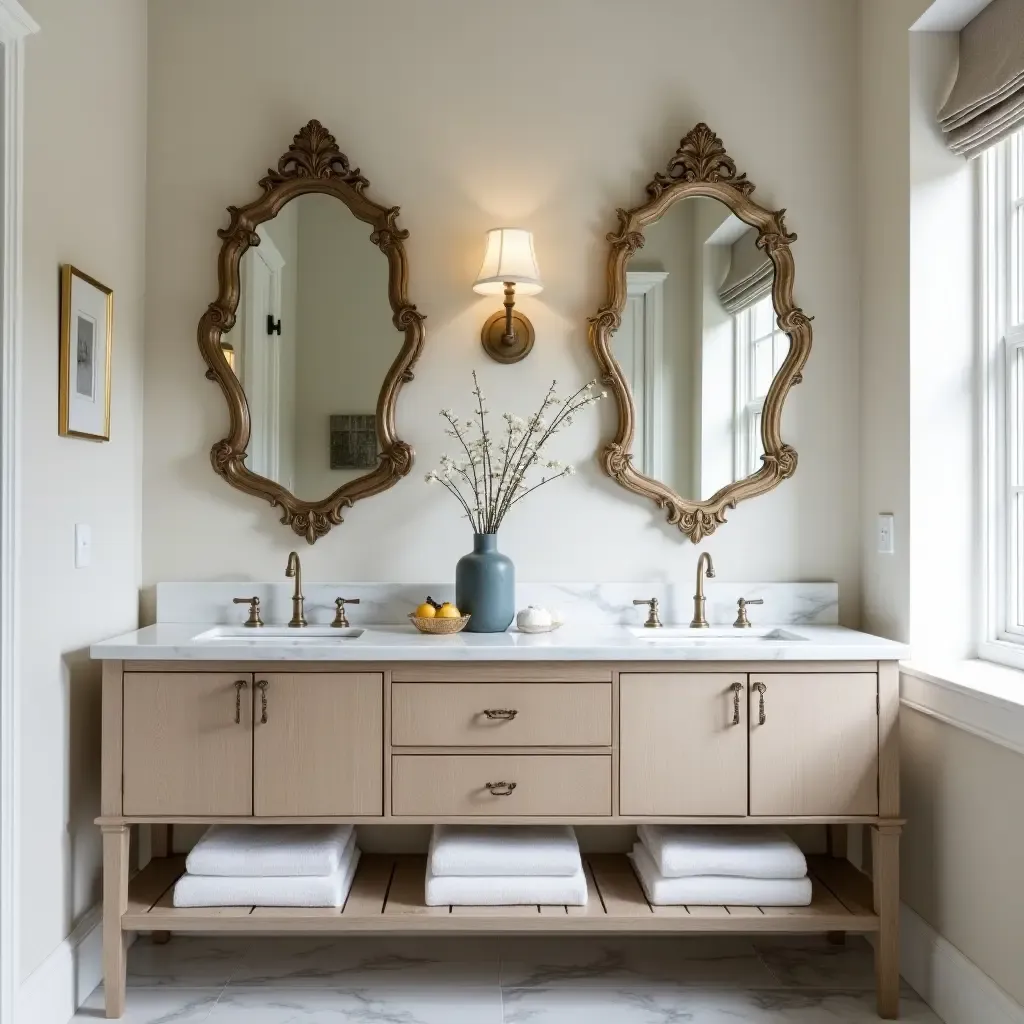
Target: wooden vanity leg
x,y
836,846
885,849
115,903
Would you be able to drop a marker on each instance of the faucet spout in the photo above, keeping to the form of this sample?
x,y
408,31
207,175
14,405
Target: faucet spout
x,y
294,569
705,567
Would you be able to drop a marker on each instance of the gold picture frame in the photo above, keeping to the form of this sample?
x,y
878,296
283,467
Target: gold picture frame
x,y
89,305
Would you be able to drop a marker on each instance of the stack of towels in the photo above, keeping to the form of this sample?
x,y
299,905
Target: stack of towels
x,y
701,865
270,866
504,865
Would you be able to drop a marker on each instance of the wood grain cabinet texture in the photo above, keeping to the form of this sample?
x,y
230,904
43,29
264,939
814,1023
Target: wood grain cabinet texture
x,y
815,751
318,750
683,739
186,751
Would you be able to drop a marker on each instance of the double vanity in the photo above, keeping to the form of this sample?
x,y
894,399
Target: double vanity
x,y
597,723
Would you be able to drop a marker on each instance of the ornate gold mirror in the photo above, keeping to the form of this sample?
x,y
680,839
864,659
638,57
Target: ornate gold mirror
x,y
699,340
311,337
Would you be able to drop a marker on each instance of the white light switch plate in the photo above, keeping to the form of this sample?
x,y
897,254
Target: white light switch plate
x,y
886,539
83,545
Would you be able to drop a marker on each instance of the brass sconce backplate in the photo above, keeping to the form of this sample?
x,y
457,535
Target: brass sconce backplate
x,y
493,334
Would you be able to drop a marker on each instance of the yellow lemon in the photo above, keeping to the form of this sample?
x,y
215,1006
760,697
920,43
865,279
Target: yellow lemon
x,y
448,611
426,611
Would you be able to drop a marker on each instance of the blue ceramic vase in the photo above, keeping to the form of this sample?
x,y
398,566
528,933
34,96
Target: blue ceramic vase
x,y
485,586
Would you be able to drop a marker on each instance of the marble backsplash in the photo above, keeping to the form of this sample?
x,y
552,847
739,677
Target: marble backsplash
x,y
582,604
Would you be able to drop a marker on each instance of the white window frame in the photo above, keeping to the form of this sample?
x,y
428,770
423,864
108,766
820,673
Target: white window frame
x,y
1001,353
749,405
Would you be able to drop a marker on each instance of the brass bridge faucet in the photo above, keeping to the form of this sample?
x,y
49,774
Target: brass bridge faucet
x,y
704,567
294,568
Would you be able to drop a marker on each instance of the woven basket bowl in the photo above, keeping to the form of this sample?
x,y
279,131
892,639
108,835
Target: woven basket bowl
x,y
439,627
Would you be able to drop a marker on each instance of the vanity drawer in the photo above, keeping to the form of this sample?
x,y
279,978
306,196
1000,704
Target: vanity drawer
x,y
501,714
442,785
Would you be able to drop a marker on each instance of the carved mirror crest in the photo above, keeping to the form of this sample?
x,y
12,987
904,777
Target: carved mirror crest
x,y
302,339
700,340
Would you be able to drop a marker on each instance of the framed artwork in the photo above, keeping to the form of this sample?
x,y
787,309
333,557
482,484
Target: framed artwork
x,y
354,441
86,334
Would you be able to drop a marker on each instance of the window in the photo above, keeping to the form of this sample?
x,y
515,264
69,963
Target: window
x,y
760,350
1002,428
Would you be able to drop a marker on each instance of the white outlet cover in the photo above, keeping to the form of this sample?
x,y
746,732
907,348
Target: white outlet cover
x,y
83,545
886,533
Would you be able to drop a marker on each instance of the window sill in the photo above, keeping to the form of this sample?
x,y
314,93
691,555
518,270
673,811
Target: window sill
x,y
980,697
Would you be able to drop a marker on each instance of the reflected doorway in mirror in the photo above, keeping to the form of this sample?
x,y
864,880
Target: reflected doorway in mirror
x,y
353,441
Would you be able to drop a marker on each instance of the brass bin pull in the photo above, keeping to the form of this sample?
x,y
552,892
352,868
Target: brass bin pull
x,y
736,688
262,687
500,788
503,714
240,685
761,689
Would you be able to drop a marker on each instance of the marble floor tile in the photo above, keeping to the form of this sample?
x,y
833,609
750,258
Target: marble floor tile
x,y
185,961
810,961
614,962
329,962
379,1004
701,1006
153,1006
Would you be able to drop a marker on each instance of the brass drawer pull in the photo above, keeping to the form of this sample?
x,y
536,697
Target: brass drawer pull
x,y
500,788
736,688
262,687
761,689
504,714
240,685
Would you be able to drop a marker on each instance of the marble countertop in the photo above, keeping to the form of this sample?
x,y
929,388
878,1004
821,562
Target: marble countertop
x,y
177,641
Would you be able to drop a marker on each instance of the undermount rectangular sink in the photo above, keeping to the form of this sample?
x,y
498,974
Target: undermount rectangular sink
x,y
714,634
315,635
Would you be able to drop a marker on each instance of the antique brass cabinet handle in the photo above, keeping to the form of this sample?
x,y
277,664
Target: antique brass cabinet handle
x,y
262,687
736,688
240,685
761,689
254,619
505,714
500,788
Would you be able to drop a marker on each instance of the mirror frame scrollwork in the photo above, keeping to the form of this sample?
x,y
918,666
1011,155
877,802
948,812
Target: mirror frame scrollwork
x,y
312,164
701,167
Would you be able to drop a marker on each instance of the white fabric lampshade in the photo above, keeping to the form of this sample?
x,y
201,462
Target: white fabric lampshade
x,y
509,257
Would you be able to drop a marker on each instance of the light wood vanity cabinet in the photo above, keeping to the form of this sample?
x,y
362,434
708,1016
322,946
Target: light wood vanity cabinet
x,y
188,743
814,751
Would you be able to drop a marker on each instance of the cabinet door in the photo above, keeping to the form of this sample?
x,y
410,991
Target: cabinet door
x,y
319,748
816,752
187,743
683,744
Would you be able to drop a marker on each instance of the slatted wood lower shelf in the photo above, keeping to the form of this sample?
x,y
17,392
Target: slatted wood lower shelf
x,y
387,896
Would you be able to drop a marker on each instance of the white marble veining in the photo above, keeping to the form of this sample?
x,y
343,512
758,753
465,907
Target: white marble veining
x,y
581,604
501,980
168,641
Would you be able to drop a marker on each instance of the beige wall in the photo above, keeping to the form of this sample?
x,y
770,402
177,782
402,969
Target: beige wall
x,y
961,849
85,161
399,83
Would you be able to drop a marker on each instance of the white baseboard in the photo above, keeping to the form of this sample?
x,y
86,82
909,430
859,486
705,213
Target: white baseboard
x,y
61,983
957,989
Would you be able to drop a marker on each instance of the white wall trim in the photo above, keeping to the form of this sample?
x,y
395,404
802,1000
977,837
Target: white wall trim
x,y
15,25
979,697
63,981
957,989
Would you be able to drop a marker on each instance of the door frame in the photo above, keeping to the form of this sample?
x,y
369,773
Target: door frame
x,y
15,25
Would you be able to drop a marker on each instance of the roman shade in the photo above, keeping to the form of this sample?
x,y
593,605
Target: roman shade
x,y
750,274
987,100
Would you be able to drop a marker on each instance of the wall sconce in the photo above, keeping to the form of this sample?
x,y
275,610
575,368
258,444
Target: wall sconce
x,y
509,262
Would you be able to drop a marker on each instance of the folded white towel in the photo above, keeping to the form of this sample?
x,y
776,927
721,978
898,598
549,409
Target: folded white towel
x,y
263,851
246,891
477,850
717,890
746,851
506,890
